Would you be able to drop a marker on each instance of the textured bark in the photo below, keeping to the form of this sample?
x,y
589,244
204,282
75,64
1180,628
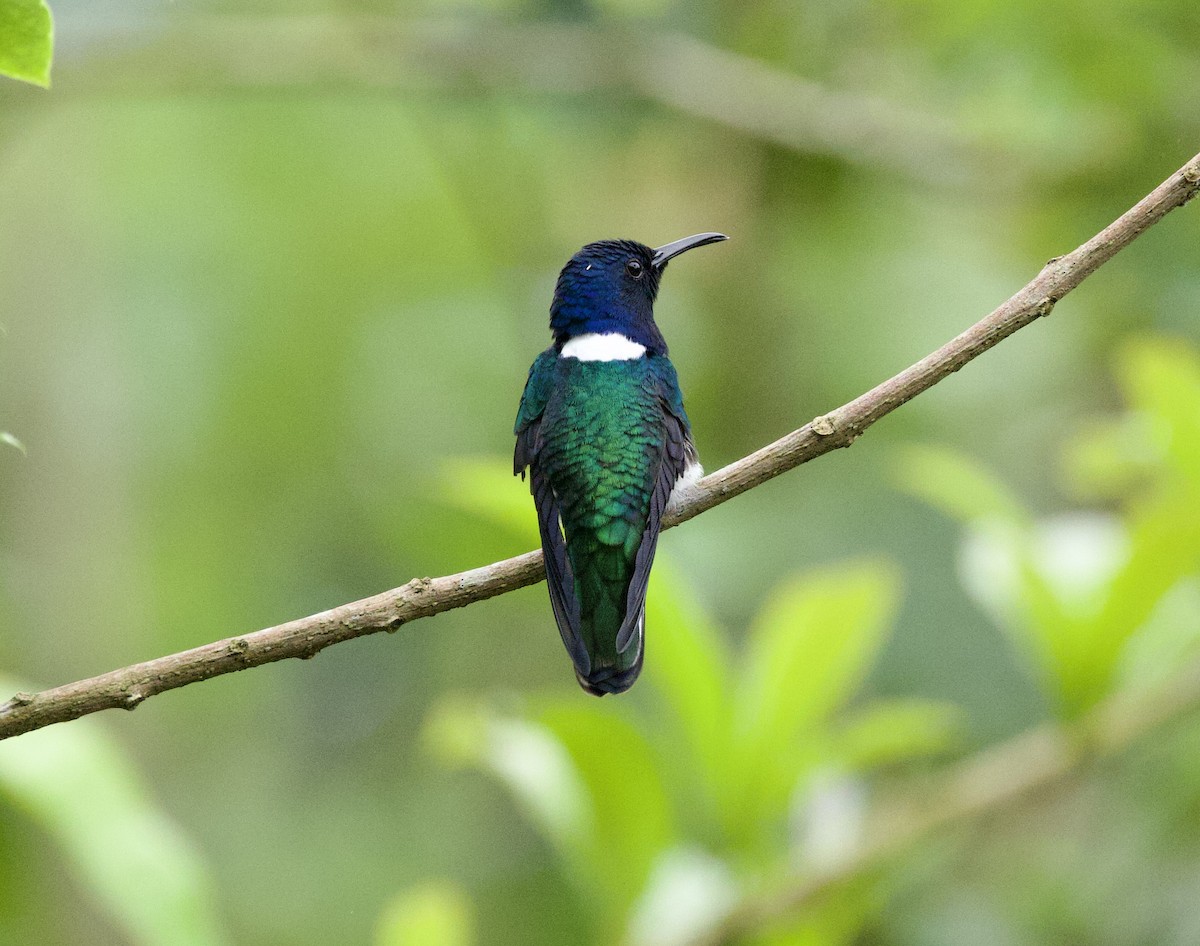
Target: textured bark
x,y
422,597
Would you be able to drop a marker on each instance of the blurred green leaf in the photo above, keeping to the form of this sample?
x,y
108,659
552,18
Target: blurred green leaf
x,y
79,786
1075,590
527,759
1052,639
961,488
1048,584
1161,381
1168,640
1070,566
1161,378
836,921
26,40
6,437
688,891
1164,548
691,668
633,816
810,647
434,914
1107,458
895,730
588,781
1051,587
486,487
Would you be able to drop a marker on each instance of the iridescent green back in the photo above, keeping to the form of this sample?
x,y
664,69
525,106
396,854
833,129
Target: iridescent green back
x,y
602,437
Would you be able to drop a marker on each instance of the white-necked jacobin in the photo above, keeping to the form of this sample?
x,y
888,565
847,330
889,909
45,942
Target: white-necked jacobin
x,y
603,432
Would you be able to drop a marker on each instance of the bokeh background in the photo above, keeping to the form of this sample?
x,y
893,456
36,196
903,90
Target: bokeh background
x,y
271,279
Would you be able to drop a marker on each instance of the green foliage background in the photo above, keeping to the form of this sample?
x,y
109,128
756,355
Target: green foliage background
x,y
26,40
270,294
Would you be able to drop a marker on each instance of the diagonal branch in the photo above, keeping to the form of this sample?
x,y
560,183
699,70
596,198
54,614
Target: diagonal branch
x,y
422,597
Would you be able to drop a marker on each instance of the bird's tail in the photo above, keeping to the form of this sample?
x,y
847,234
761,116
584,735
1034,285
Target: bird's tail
x,y
603,677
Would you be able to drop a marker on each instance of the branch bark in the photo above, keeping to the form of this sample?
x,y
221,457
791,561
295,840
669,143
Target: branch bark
x,y
128,687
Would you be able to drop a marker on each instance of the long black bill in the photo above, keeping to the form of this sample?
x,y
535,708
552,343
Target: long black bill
x,y
671,250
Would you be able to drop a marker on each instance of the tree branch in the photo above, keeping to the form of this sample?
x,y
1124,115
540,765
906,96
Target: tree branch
x,y
682,73
422,597
981,785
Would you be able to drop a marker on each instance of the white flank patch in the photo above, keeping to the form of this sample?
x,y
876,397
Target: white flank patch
x,y
692,474
683,485
611,346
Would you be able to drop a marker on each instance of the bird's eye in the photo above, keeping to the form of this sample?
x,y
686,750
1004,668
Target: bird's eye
x,y
634,268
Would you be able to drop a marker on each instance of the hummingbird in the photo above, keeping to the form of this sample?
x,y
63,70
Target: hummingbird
x,y
603,433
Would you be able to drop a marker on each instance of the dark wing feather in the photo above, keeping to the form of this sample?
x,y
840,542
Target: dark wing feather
x,y
526,447
533,402
678,452
559,577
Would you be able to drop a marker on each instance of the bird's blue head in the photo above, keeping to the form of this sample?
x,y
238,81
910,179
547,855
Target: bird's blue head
x,y
610,287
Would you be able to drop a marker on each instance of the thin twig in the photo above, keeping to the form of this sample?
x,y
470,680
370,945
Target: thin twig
x,y
679,72
422,597
981,785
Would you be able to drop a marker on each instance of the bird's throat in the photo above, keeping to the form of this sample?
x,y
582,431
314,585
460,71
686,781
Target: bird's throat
x,y
609,346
